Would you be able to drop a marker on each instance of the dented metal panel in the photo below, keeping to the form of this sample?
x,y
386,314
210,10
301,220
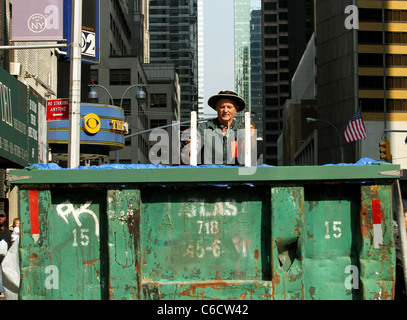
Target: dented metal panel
x,y
263,240
123,209
287,231
195,234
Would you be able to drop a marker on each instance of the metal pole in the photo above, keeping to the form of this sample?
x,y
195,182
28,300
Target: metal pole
x,y
75,87
39,46
247,140
337,131
166,126
194,132
117,153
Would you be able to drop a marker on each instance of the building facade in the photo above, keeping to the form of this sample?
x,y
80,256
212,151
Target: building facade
x,y
362,66
298,143
120,67
201,60
382,74
164,110
174,39
125,54
287,28
28,79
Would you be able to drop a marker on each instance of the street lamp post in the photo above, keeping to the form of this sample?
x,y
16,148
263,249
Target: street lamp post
x,y
94,95
336,129
140,96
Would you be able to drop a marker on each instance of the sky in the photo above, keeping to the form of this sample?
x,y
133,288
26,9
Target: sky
x,y
218,48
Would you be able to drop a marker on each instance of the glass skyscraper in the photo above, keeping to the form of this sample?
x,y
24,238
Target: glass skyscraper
x,y
248,57
201,87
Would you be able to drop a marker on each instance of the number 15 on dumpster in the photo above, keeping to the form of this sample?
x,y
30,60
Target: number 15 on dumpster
x,y
333,229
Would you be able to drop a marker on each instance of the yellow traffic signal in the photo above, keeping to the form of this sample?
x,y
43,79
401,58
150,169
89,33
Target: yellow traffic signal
x,y
385,150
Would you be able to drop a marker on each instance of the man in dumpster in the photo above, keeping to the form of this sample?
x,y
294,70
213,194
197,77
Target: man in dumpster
x,y
221,140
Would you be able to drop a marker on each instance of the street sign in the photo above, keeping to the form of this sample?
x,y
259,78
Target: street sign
x,y
57,109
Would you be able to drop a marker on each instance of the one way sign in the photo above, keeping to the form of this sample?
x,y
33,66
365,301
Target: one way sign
x,y
57,109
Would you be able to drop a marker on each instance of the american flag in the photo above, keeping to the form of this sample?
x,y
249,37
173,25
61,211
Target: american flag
x,y
356,128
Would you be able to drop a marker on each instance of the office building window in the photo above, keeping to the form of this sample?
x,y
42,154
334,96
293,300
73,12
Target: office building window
x,y
270,41
370,60
371,105
270,17
396,37
126,105
396,105
376,105
370,82
396,83
158,100
396,15
370,37
119,77
270,6
283,4
397,60
370,14
158,123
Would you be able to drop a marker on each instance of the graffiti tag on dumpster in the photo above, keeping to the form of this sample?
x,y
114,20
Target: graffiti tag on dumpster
x,y
67,208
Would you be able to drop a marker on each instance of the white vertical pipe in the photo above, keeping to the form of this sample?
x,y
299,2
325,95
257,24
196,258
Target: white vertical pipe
x,y
247,140
75,87
194,133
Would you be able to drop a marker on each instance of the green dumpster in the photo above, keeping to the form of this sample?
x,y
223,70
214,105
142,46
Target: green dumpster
x,y
155,232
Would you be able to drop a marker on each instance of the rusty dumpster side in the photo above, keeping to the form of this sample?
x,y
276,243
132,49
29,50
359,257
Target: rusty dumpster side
x,y
207,233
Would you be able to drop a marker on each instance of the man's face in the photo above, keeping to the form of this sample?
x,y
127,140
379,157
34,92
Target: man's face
x,y
226,109
2,220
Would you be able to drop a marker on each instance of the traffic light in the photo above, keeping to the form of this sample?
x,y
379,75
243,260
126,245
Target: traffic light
x,y
385,150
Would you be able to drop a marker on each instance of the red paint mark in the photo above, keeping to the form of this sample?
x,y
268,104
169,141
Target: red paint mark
x,y
377,213
35,225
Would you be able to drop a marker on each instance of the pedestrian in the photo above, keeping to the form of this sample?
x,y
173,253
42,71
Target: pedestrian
x,y
221,140
5,243
16,229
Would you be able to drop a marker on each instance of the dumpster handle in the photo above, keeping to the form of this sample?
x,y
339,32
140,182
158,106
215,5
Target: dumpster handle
x,y
402,228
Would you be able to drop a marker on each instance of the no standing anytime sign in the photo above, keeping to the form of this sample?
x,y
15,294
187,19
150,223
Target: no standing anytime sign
x,y
57,109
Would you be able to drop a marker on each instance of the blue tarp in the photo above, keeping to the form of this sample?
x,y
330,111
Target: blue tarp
x,y
54,166
361,162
